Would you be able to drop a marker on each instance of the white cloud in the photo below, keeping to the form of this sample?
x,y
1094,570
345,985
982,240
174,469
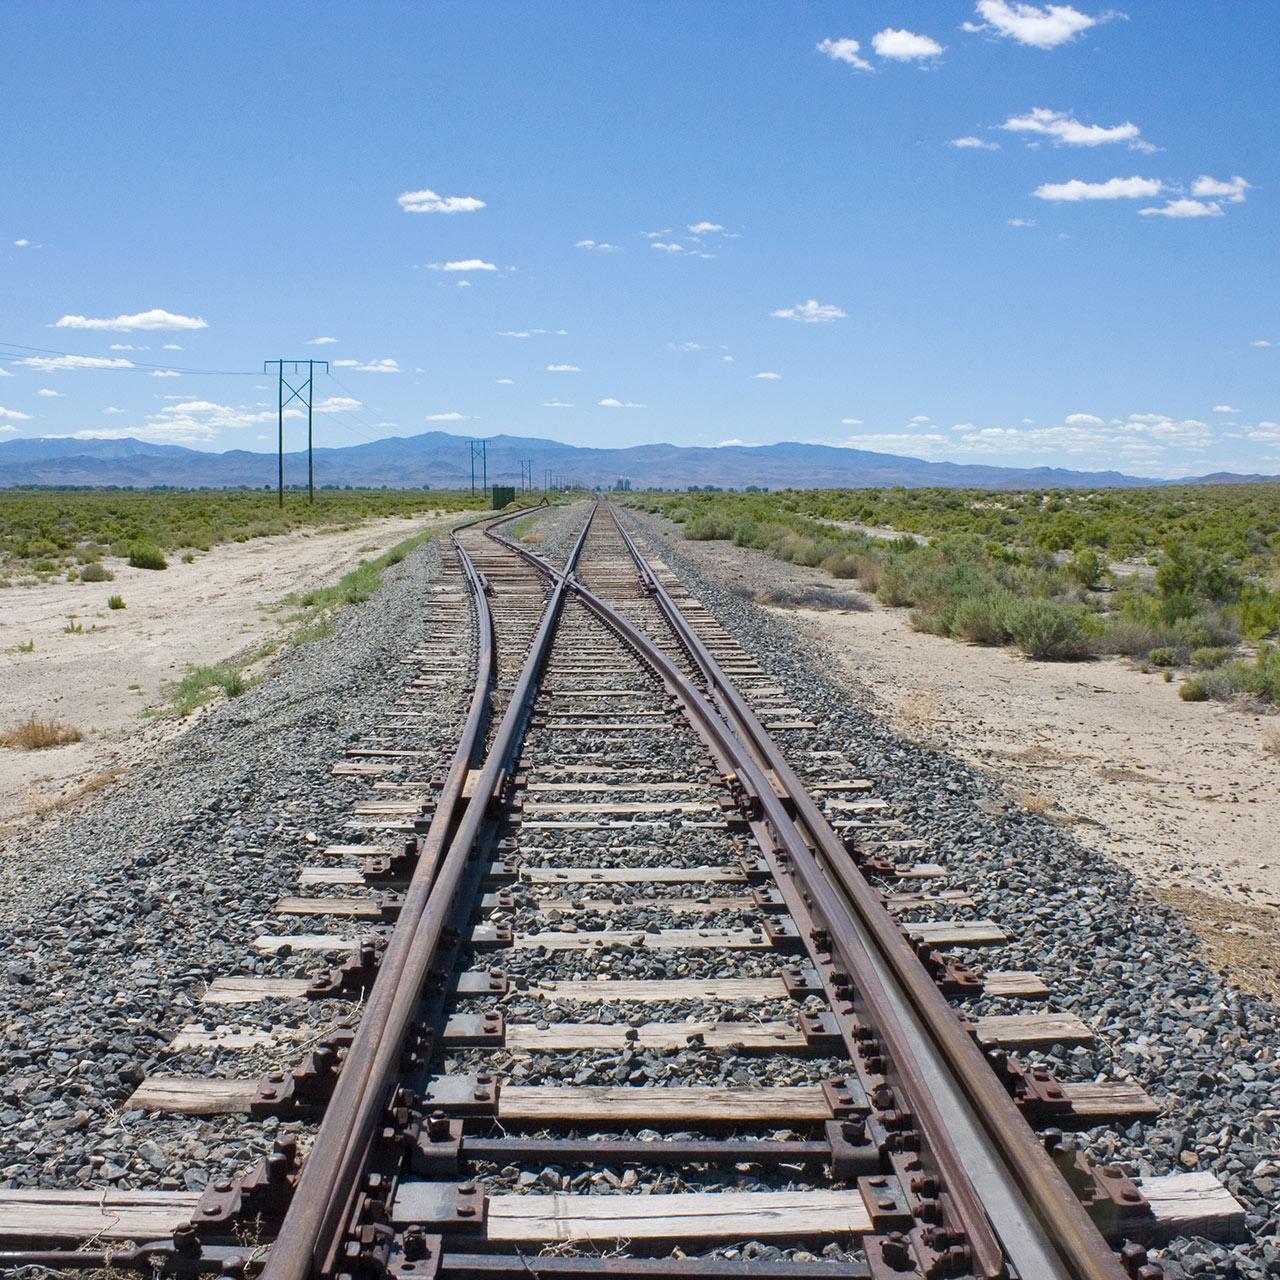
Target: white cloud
x,y
50,394
904,46
557,333
171,346
156,318
48,363
7,427
563,368
846,51
126,346
368,366
321,342
727,359
1066,129
611,403
14,415
111,408
704,228
462,284
336,404
164,373
735,443
852,422
1224,408
1112,189
513,333
428,202
1029,24
1184,208
1022,222
506,382
1084,420
684,346
1259,342
22,244
556,404
811,312
450,415
664,247
655,235
919,418
464,264
596,246
970,143
1231,191
768,376
4,373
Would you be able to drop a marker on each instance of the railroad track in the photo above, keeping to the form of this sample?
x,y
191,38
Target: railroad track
x,y
625,974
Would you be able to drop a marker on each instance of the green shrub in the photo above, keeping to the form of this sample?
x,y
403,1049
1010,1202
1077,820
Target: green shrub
x,y
708,528
188,557
96,573
1210,656
1194,690
43,566
1163,657
115,602
842,565
982,619
1086,567
143,555
894,585
1045,629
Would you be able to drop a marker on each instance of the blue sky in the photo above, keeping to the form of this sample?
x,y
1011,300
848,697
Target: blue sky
x,y
974,230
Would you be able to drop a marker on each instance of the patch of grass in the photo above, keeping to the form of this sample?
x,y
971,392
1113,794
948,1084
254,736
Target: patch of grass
x,y
1271,743
115,602
24,646
73,628
95,572
188,557
143,555
815,595
1258,681
202,684
39,735
1163,657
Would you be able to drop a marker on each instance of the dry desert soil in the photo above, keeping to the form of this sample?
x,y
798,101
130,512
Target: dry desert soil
x,y
102,680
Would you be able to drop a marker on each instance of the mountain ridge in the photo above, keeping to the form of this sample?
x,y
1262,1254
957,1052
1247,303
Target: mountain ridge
x,y
437,459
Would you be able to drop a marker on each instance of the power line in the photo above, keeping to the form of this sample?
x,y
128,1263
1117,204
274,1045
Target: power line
x,y
129,367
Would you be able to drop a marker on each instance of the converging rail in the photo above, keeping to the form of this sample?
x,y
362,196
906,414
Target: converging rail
x,y
631,1000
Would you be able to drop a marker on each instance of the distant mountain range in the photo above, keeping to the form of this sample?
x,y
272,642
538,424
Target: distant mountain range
x,y
442,461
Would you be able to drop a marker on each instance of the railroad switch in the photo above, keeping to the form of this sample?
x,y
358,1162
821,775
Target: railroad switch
x,y
1110,1196
265,1191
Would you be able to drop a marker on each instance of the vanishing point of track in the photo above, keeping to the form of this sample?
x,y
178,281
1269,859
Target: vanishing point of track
x,y
630,998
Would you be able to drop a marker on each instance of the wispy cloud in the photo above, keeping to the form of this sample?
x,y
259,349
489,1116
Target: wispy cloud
x,y
386,365
1022,222
14,415
1224,408
1232,191
704,228
450,415
1029,24
336,404
24,243
1184,208
506,382
596,246
845,50
611,403
513,333
1112,189
768,376
904,46
49,393
970,143
563,368
50,363
156,318
1259,342
667,247
1066,130
164,373
556,404
811,312
321,342
464,264
428,202
852,422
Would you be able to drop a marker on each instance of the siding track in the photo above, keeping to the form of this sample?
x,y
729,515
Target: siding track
x,y
624,996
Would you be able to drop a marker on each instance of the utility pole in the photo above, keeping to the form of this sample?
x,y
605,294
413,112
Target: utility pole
x,y
301,392
483,446
526,474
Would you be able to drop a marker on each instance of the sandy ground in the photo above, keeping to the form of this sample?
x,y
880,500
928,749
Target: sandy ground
x,y
101,681
1185,794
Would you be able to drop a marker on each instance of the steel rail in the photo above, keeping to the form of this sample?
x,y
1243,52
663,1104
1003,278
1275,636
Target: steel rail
x,y
310,1235
1041,1224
